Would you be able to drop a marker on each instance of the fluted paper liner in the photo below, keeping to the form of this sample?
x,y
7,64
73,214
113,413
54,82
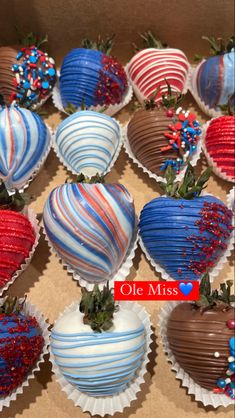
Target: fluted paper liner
x,y
108,110
116,403
231,199
213,272
31,310
213,113
39,164
216,169
120,275
193,160
110,165
141,97
201,395
29,213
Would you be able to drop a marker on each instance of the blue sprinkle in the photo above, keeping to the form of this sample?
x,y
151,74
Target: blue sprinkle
x,y
19,55
26,85
45,84
19,96
33,59
15,67
51,72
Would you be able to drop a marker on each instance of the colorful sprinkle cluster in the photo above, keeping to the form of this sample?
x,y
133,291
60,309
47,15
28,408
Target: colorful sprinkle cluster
x,y
35,76
226,385
112,82
18,353
215,219
183,135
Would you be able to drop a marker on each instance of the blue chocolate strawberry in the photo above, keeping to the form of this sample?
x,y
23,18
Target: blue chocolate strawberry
x,y
185,233
90,76
21,344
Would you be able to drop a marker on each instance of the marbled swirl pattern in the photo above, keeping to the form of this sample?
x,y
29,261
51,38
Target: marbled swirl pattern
x,y
99,364
24,141
87,141
90,226
214,81
149,69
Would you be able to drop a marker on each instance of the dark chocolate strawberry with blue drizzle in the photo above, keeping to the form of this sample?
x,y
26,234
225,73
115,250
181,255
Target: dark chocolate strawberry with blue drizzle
x,y
90,76
21,344
185,233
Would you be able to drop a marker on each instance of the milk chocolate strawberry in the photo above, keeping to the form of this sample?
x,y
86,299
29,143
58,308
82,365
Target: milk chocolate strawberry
x,y
21,344
17,235
27,74
183,233
200,336
155,63
163,134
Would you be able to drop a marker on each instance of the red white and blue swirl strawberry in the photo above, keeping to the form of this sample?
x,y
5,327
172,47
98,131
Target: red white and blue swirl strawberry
x,y
27,74
91,227
185,234
21,343
17,235
91,76
163,134
212,80
151,66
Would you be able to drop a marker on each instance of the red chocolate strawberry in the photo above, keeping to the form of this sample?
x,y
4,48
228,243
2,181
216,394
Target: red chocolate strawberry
x,y
219,146
17,235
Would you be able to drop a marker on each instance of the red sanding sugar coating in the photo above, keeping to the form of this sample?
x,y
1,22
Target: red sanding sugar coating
x,y
17,237
220,144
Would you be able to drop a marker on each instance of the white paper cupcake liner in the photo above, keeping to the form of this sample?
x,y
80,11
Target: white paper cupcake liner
x,y
109,110
32,311
201,395
111,164
38,166
193,161
193,90
140,96
109,404
28,212
213,273
231,199
120,275
217,170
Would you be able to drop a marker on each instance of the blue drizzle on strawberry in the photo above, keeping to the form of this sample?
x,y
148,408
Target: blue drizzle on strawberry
x,y
20,346
215,79
92,78
185,237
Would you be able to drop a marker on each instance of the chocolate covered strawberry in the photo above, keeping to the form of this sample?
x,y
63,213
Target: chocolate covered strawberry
x,y
163,134
200,336
21,343
155,63
212,80
219,145
90,225
183,233
17,235
27,74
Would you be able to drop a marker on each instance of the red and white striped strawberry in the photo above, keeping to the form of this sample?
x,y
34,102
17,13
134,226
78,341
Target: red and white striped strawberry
x,y
17,235
149,69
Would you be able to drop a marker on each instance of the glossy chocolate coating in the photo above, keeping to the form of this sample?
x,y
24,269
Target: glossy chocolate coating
x,y
146,137
7,59
194,337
